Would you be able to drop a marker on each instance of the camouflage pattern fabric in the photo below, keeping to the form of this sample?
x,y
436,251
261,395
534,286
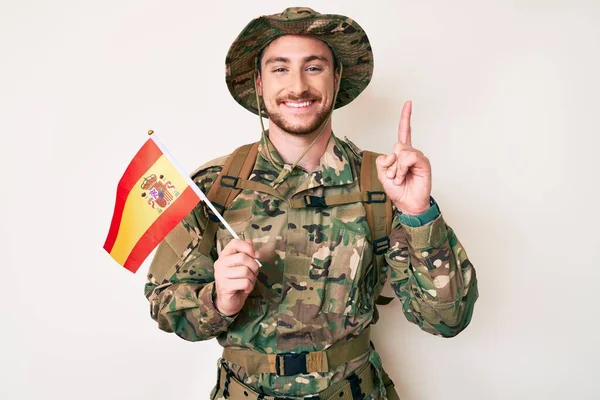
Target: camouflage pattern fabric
x,y
345,37
316,284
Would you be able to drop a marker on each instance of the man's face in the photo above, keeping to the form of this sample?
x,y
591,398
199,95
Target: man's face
x,y
297,83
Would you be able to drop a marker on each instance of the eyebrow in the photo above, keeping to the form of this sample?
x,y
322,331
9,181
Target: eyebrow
x,y
286,60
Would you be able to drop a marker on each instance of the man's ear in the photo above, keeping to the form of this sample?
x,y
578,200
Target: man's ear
x,y
258,84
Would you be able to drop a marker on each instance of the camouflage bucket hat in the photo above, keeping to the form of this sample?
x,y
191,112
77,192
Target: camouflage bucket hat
x,y
343,35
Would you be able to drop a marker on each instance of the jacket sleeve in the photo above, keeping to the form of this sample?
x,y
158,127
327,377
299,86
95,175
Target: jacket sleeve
x,y
180,283
432,276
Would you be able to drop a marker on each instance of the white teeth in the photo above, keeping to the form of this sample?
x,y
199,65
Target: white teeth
x,y
299,105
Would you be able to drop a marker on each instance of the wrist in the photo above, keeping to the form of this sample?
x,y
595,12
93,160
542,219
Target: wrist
x,y
219,307
414,210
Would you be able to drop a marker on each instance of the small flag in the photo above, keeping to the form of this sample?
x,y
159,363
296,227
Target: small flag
x,y
153,196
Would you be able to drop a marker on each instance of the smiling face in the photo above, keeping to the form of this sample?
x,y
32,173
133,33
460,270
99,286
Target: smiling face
x,y
297,83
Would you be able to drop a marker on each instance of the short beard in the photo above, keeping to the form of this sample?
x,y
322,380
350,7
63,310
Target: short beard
x,y
299,130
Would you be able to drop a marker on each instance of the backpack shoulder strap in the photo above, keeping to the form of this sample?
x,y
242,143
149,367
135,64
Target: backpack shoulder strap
x,y
238,165
379,216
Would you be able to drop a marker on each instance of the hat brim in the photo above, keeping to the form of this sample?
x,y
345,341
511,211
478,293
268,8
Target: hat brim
x,y
343,35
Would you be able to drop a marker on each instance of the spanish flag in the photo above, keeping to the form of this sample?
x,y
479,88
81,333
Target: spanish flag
x,y
153,196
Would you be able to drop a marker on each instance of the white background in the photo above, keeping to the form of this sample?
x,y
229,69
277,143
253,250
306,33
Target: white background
x,y
506,98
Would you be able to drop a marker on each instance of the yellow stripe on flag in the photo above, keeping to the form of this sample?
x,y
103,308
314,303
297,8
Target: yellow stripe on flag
x,y
139,213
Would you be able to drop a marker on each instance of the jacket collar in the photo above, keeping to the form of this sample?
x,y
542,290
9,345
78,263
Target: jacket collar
x,y
334,168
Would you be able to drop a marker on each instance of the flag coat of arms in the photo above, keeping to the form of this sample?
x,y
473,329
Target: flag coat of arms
x,y
153,196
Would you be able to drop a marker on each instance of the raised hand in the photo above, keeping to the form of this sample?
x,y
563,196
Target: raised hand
x,y
235,276
405,173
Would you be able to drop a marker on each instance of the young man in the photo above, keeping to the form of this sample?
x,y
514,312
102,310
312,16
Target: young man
x,y
296,322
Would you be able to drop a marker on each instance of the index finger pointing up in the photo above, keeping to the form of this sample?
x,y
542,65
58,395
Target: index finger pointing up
x,y
404,126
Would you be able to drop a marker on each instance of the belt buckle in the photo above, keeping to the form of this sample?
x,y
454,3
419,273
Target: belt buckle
x,y
293,364
314,201
311,397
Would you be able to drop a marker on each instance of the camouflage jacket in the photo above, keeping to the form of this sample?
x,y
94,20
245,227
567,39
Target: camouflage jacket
x,y
315,286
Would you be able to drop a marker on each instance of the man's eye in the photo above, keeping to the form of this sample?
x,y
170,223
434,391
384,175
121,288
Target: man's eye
x,y
313,69
279,70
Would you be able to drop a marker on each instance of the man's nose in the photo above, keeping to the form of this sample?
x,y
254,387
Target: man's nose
x,y
298,86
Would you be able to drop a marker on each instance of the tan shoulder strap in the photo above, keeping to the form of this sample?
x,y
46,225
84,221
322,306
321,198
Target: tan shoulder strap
x,y
379,215
238,165
367,197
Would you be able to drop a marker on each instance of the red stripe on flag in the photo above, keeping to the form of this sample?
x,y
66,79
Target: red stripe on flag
x,y
164,224
139,165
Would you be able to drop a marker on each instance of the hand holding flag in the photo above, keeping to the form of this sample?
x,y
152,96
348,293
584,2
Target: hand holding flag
x,y
153,196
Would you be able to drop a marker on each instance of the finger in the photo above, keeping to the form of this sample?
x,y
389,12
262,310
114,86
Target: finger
x,y
404,129
240,246
391,171
398,148
406,160
256,253
384,163
236,260
239,272
236,285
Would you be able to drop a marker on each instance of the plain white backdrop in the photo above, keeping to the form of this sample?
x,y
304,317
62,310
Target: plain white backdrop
x,y
505,99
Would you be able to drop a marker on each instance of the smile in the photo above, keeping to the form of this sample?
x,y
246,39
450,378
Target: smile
x,y
298,105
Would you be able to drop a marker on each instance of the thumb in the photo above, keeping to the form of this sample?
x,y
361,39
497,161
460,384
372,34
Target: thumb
x,y
256,253
383,163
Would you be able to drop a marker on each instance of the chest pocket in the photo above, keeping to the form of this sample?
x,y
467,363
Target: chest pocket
x,y
345,271
336,270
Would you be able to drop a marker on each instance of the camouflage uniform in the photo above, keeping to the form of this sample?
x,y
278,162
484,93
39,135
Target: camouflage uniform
x,y
315,287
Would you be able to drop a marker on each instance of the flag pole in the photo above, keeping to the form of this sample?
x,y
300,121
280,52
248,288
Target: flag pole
x,y
193,186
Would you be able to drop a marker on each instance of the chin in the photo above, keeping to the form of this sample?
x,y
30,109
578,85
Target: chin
x,y
301,129
299,132
298,125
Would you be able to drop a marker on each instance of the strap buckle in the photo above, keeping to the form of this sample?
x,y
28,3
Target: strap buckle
x,y
376,197
381,245
212,215
314,201
355,389
293,364
229,181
